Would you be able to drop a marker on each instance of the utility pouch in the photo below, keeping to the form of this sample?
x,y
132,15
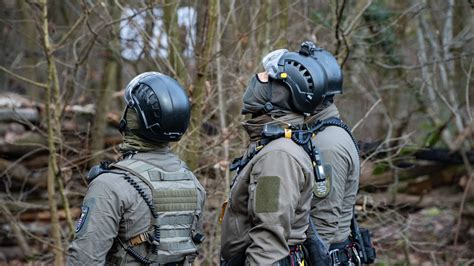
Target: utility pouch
x,y
316,252
369,248
362,240
236,260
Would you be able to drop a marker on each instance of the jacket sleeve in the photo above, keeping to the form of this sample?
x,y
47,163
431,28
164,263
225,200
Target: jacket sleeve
x,y
99,223
274,191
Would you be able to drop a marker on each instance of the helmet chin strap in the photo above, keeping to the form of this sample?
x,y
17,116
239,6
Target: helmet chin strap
x,y
123,120
268,107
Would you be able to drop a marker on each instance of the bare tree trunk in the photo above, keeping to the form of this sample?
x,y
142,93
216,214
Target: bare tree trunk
x,y
175,42
434,109
282,41
28,30
54,134
105,91
198,95
221,98
268,27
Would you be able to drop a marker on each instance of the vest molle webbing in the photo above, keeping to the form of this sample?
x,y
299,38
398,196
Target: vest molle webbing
x,y
177,201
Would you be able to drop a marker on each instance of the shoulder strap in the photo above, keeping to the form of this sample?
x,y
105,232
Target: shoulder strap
x,y
148,172
138,168
240,162
135,167
320,125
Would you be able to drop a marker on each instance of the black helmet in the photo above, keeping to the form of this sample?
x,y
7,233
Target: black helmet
x,y
312,75
162,107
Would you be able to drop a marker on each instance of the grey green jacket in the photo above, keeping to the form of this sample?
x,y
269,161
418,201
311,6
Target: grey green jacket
x,y
332,215
269,204
113,208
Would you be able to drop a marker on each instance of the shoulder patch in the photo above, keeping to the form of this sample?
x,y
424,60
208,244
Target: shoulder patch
x,y
82,219
267,195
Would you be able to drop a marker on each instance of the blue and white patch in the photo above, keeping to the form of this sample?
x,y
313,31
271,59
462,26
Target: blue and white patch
x,y
82,219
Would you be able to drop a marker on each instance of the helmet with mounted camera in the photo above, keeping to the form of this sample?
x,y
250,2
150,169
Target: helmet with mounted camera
x,y
312,75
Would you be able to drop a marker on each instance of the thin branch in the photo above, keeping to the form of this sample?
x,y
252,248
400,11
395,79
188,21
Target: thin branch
x,y
349,28
70,32
366,114
27,80
338,31
468,79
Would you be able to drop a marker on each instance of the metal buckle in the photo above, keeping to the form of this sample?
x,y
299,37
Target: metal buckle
x,y
356,254
138,239
334,258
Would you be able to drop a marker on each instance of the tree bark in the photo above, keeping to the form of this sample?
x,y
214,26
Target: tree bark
x,y
282,41
175,42
54,133
105,91
28,30
221,101
199,91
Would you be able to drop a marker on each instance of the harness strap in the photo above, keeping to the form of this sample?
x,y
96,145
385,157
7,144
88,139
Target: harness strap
x,y
240,162
124,165
320,125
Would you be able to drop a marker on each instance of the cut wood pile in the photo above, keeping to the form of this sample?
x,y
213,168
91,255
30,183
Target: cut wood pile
x,y
24,216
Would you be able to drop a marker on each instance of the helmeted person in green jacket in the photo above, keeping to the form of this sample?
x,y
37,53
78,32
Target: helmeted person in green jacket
x,y
147,207
268,211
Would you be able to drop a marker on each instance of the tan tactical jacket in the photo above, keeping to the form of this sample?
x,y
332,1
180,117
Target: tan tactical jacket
x,y
111,208
269,204
332,215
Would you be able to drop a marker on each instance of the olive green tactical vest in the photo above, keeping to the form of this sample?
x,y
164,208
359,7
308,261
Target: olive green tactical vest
x,y
178,198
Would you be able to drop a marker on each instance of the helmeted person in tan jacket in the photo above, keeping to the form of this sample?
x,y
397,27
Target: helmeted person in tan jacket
x,y
267,215
146,208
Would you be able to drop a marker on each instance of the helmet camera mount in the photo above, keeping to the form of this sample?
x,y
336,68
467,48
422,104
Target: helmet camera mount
x,y
307,48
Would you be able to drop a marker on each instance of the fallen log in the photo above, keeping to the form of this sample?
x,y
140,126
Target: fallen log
x,y
36,161
23,144
21,206
438,173
46,215
21,174
444,156
17,232
7,254
19,114
441,197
